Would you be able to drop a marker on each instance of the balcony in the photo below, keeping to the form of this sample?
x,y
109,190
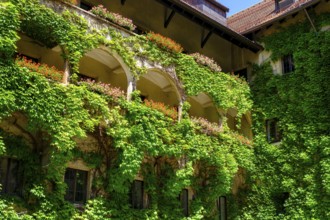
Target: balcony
x,y
94,21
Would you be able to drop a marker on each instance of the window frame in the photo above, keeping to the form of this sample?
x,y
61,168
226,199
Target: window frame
x,y
6,185
74,191
137,202
184,199
288,64
276,135
222,207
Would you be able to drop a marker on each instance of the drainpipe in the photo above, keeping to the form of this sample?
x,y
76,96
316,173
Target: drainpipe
x,y
310,20
180,109
66,75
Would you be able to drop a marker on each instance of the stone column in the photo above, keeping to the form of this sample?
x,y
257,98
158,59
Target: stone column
x,y
131,87
66,75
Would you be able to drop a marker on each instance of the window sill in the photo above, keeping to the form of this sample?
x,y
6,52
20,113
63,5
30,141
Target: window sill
x,y
275,142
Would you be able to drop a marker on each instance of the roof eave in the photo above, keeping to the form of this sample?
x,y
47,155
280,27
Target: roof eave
x,y
221,30
295,10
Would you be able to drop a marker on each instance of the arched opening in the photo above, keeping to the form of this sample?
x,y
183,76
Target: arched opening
x,y
232,121
246,126
203,106
101,66
157,86
39,53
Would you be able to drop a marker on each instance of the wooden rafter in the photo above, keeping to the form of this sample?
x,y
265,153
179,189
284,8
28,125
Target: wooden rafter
x,y
168,18
206,38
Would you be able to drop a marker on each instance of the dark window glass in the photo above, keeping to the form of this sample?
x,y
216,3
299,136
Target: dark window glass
x,y
9,176
85,6
285,3
136,194
35,60
139,30
288,64
222,207
242,73
280,200
76,181
273,131
281,5
82,77
143,97
184,202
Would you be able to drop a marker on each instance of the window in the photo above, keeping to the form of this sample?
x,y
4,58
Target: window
x,y
9,176
143,97
85,6
21,56
273,131
77,185
82,77
288,64
282,4
280,200
242,73
140,31
285,3
136,194
184,202
222,207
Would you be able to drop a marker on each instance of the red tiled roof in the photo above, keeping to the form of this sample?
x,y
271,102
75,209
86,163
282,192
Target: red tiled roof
x,y
260,14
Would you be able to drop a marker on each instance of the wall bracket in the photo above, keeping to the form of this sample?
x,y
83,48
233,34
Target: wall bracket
x,y
206,38
168,18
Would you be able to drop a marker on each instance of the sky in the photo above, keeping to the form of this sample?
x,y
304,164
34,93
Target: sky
x,y
237,5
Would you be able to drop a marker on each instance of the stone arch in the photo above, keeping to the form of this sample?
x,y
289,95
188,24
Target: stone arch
x,y
203,106
245,122
246,125
102,64
38,52
159,86
231,118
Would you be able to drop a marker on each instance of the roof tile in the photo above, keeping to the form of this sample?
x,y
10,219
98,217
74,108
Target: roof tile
x,y
259,14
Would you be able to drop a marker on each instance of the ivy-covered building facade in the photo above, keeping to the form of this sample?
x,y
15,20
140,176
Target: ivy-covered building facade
x,y
164,109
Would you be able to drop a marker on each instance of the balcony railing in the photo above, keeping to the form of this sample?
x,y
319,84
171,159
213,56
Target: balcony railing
x,y
93,20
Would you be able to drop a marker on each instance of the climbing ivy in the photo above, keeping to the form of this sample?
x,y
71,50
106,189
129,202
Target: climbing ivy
x,y
286,181
141,133
291,179
225,90
68,30
8,30
132,139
